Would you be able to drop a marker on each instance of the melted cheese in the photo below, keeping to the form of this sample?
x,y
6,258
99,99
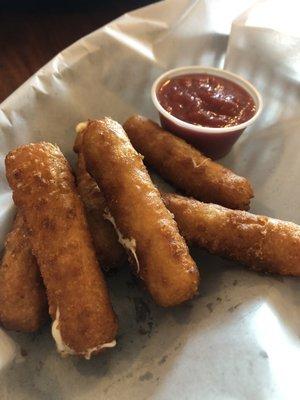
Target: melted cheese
x,y
81,126
129,244
65,350
62,348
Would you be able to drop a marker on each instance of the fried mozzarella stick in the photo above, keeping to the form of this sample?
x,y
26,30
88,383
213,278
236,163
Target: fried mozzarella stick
x,y
44,191
146,228
185,167
109,251
262,243
23,302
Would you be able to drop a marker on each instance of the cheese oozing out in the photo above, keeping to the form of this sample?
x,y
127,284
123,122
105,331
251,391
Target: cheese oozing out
x,y
81,126
62,348
129,244
65,350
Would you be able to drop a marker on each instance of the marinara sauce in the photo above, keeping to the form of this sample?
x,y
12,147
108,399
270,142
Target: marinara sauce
x,y
206,100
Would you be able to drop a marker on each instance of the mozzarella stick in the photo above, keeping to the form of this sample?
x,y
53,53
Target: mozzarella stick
x,y
144,225
262,243
23,302
109,251
44,191
185,167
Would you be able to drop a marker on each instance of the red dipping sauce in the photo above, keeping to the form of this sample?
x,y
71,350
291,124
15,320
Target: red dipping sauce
x,y
206,100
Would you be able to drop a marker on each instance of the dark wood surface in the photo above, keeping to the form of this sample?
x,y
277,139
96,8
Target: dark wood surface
x,y
32,32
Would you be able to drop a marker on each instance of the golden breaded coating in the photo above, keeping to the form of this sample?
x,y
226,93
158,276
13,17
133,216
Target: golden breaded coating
x,y
44,191
262,243
109,251
185,167
146,228
23,301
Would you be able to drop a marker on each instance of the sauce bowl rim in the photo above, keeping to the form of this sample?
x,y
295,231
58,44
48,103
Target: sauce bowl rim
x,y
222,73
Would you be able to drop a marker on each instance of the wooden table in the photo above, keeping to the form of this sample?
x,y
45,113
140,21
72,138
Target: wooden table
x,y
32,33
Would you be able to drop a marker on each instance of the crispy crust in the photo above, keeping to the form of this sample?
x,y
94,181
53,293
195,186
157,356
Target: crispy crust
x,y
262,243
163,260
44,190
185,167
23,301
109,251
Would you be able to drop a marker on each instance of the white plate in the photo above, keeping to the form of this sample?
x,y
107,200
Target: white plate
x,y
240,338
